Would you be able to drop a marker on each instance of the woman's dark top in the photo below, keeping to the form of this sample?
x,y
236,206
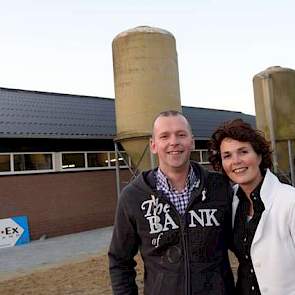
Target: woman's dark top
x,y
244,231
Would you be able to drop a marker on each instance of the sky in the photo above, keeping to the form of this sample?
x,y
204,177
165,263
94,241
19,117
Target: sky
x,y
64,46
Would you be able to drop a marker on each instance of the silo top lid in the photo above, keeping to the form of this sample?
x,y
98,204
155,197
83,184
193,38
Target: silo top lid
x,y
273,69
143,29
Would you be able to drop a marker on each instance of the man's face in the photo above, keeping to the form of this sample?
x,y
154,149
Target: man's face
x,y
173,142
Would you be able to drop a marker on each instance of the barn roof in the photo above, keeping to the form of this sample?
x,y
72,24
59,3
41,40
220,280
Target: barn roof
x,y
35,114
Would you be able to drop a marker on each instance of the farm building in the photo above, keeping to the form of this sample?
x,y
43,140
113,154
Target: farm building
x,y
57,158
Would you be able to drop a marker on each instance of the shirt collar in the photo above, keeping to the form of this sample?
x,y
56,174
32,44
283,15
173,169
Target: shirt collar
x,y
256,192
191,180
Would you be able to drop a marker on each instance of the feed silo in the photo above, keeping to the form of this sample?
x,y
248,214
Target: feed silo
x,y
146,83
274,92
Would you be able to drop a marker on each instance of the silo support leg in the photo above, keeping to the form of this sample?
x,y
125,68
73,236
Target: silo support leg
x,y
117,171
291,162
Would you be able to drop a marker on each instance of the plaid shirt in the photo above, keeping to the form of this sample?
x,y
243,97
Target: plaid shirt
x,y
178,199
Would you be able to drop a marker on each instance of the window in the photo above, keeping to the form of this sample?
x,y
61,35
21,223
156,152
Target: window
x,y
92,160
29,162
4,163
121,160
196,156
205,156
73,160
97,159
200,156
25,163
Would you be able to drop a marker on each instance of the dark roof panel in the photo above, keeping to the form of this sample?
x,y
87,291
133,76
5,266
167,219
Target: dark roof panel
x,y
205,121
53,115
37,114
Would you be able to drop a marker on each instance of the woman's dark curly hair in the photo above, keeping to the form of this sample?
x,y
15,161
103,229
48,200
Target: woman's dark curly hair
x,y
239,130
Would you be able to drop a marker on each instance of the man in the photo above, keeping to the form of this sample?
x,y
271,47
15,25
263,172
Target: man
x,y
178,216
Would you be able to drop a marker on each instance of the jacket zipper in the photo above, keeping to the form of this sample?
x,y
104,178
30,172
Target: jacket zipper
x,y
184,235
194,195
186,259
183,228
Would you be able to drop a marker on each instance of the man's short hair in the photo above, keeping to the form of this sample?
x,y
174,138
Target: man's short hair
x,y
171,113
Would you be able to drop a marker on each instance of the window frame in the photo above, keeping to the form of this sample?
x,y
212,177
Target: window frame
x,y
13,172
56,158
200,151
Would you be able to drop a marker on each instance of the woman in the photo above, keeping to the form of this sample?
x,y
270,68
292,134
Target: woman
x,y
263,211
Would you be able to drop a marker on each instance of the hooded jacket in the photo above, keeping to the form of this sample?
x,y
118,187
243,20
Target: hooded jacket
x,y
182,254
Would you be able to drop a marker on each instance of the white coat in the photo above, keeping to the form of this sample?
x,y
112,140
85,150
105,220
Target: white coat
x,y
273,246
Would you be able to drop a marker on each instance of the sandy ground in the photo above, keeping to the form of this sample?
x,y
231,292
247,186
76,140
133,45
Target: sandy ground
x,y
87,276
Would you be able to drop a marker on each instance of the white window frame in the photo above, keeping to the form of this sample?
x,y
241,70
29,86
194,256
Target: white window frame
x,y
57,162
12,172
201,155
86,168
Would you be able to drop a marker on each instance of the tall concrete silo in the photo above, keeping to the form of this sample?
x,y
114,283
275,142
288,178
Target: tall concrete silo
x,y
146,83
274,92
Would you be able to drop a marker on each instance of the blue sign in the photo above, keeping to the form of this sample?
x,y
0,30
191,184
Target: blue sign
x,y
14,231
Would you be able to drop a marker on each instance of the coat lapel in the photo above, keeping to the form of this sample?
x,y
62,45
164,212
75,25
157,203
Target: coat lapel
x,y
260,227
267,194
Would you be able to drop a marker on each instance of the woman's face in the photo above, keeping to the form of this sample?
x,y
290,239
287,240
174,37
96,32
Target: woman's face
x,y
241,163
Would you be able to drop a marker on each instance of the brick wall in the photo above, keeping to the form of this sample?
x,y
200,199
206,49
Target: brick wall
x,y
61,203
